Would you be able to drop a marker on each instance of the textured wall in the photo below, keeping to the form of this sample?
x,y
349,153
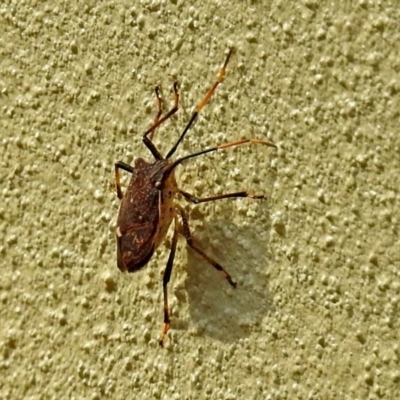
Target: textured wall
x,y
315,314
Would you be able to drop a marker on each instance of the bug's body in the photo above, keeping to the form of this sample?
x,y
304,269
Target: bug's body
x,y
147,207
145,215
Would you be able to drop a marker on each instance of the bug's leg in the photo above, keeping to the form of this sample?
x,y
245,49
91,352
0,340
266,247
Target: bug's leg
x,y
146,139
202,103
197,200
126,167
159,112
189,240
166,278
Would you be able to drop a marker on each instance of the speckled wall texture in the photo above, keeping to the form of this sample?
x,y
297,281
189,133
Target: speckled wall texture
x,y
315,313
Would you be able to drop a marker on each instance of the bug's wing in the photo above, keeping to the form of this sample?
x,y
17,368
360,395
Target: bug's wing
x,y
138,219
135,246
136,228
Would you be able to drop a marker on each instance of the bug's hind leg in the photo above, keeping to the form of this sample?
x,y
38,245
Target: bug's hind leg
x,y
148,135
189,240
166,278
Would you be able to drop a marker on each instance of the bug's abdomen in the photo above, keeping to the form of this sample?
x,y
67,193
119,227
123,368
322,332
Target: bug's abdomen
x,y
166,208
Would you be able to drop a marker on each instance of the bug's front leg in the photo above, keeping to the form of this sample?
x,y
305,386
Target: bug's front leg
x,y
159,112
126,167
166,279
147,136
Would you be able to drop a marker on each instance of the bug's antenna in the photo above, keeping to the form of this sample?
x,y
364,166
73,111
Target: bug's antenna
x,y
173,165
201,104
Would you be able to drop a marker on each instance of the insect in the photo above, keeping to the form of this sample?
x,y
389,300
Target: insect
x,y
147,207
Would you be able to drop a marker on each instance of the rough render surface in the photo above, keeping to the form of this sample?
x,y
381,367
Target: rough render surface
x,y
315,314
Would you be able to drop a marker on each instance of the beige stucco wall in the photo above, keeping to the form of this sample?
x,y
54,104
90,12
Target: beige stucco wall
x,y
315,314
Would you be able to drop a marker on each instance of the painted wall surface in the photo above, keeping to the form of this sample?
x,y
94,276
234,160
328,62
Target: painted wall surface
x,y
315,313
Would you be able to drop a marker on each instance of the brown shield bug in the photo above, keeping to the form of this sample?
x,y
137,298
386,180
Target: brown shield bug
x,y
147,207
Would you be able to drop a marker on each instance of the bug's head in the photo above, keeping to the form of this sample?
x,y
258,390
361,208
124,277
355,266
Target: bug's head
x,y
163,174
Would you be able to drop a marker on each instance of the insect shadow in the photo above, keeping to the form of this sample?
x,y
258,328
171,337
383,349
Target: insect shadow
x,y
228,315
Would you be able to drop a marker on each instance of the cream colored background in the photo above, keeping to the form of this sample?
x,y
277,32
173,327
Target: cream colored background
x,y
315,315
